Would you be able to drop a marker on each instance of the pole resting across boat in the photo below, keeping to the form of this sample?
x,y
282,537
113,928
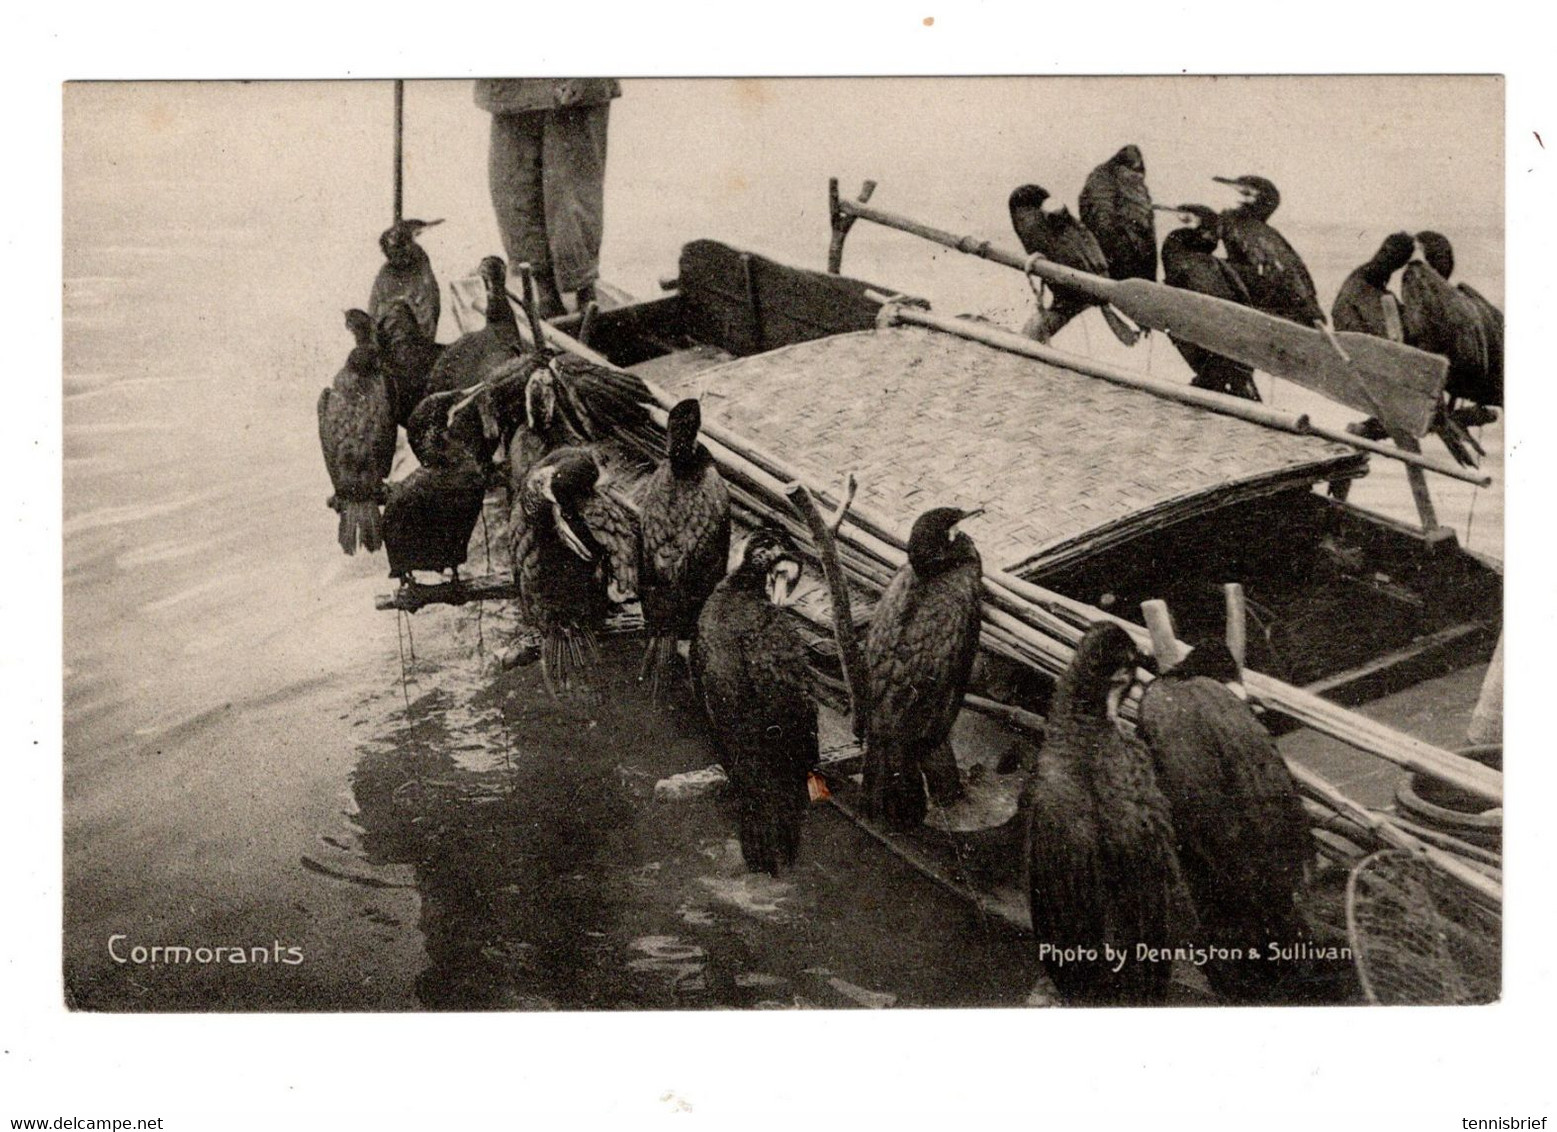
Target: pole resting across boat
x,y
1396,383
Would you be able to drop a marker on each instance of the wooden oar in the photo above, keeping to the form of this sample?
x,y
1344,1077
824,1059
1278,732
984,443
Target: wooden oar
x,y
1398,384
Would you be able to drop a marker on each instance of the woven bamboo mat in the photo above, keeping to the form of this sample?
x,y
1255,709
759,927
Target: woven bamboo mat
x,y
1064,465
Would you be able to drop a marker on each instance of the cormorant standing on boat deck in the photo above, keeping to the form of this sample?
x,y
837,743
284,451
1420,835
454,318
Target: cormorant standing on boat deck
x,y
919,653
1276,276
407,275
472,357
1189,262
750,670
685,520
431,513
1064,239
1116,207
1439,254
1239,828
570,540
1100,862
1359,304
357,437
407,355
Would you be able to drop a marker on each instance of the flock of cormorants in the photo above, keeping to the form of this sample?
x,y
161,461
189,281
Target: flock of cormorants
x,y
1115,236
1186,833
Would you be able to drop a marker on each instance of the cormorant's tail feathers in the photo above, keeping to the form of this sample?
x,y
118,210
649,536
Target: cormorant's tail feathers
x,y
360,524
659,657
567,657
770,814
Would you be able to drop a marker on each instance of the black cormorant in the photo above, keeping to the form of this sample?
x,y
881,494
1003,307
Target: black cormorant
x,y
1059,236
1359,304
357,437
472,358
1189,262
407,275
919,653
431,513
407,355
1239,828
1276,276
685,521
1439,254
570,540
1437,318
750,669
1117,207
1102,878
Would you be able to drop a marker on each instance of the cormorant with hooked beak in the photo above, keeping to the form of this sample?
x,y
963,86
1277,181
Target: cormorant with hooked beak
x,y
357,437
1059,236
1100,861
685,522
1239,828
407,276
1276,276
472,358
567,550
1189,262
751,672
1439,254
1116,207
1360,303
919,652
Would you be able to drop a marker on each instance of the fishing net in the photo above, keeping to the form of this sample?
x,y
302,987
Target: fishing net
x,y
1418,938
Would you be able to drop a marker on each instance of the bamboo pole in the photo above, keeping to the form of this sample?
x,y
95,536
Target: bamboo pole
x,y
1396,837
399,150
1237,631
1222,404
1165,640
850,652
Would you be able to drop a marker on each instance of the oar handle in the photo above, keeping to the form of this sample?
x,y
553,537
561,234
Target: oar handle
x,y
1095,285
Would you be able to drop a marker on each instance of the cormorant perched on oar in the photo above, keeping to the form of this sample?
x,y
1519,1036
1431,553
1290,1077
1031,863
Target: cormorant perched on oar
x,y
471,358
1100,862
1064,239
1116,207
919,653
357,436
1439,319
750,669
1239,827
1276,276
1439,254
570,540
407,355
684,516
1360,303
431,514
407,276
1189,262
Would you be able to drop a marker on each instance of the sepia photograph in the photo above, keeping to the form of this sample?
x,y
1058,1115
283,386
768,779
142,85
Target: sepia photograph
x,y
814,566
559,544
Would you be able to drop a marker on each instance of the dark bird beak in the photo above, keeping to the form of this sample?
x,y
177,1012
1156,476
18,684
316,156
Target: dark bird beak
x,y
571,537
1227,181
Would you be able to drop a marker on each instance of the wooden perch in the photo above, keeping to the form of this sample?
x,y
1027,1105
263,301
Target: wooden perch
x,y
410,598
851,653
1237,623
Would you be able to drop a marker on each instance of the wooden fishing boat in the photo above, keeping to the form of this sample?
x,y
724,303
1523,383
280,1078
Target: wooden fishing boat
x,y
1102,491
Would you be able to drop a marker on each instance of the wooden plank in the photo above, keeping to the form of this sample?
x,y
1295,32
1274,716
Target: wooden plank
x,y
1424,658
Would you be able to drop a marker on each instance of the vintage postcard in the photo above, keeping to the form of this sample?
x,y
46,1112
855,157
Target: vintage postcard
x,y
745,544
